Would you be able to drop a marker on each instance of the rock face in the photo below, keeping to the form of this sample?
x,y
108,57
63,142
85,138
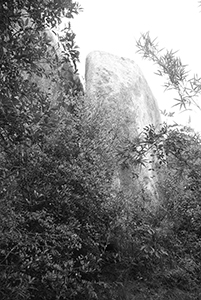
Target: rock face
x,y
119,98
56,70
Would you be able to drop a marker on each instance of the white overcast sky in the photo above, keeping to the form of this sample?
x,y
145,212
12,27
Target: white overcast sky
x,y
115,25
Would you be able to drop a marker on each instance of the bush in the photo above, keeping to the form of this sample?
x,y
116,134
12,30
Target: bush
x,y
54,182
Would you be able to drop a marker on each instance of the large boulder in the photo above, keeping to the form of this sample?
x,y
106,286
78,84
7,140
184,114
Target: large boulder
x,y
120,100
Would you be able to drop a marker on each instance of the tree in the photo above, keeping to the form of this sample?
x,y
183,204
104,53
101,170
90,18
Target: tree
x,y
23,45
179,219
54,181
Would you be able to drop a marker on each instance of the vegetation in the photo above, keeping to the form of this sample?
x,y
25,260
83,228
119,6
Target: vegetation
x,y
62,233
52,192
173,70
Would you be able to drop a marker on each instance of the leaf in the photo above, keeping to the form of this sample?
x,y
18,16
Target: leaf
x,y
26,22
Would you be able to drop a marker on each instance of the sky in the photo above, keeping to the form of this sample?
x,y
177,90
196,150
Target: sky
x,y
115,26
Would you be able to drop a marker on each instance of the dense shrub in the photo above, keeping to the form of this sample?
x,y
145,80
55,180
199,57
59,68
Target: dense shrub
x,y
54,182
53,216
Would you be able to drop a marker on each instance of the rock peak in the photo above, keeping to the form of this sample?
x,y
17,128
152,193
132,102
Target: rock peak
x,y
119,97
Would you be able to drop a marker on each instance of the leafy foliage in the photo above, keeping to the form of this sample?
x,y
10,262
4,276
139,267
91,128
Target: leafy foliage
x,y
63,235
55,219
52,191
157,254
171,67
176,225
